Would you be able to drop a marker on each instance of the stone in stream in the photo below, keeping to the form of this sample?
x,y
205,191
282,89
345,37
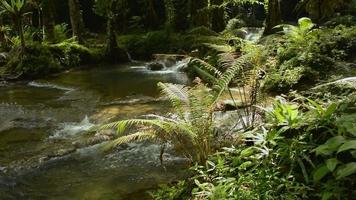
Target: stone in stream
x,y
155,66
230,105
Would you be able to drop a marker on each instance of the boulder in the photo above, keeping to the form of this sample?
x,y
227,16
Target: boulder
x,y
155,66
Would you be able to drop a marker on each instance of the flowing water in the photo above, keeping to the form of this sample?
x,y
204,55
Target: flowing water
x,y
44,123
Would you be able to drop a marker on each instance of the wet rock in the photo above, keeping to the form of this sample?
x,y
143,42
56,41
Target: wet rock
x,y
155,66
58,154
240,33
3,169
3,58
230,105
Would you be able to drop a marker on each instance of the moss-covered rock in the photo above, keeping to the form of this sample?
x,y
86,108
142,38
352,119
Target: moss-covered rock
x,y
35,62
71,54
40,59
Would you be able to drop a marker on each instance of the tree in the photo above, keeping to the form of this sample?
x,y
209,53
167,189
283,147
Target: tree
x,y
274,16
76,20
177,14
217,16
151,16
109,9
199,12
48,18
16,9
320,9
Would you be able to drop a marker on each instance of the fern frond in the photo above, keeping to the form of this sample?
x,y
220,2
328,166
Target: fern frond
x,y
135,137
123,125
177,95
206,76
230,73
205,65
222,48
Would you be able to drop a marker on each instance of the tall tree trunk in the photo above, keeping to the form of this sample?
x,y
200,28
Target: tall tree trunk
x,y
37,24
113,52
274,17
76,20
198,13
19,26
151,17
177,12
218,16
48,20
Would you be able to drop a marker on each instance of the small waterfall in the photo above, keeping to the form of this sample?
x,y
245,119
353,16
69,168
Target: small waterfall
x,y
180,65
253,34
72,129
129,57
49,85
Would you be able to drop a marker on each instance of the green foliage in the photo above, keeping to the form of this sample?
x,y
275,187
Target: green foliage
x,y
192,132
170,192
309,55
60,32
305,150
142,46
14,7
40,59
70,54
320,10
36,62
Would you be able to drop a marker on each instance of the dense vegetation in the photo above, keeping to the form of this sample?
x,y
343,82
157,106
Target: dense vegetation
x,y
294,133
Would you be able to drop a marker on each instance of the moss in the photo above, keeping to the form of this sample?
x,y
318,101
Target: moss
x,y
142,46
36,62
40,59
71,54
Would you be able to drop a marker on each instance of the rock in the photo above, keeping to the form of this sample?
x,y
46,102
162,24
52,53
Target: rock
x,y
3,58
229,105
240,33
155,66
351,82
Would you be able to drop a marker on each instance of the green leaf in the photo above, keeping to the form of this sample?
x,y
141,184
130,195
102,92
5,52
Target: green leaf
x,y
304,171
247,152
305,24
330,146
320,173
330,110
353,153
326,195
245,165
351,144
346,170
332,163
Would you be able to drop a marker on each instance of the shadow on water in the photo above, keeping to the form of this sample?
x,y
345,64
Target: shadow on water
x,y
41,121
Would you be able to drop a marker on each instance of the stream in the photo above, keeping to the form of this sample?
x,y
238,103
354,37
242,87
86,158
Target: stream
x,y
43,123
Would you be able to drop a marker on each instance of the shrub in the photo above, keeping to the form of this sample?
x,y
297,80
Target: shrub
x,y
60,32
305,150
36,62
310,55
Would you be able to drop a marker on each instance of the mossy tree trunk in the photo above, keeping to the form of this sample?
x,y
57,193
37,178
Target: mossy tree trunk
x,y
217,16
21,34
76,20
151,17
48,20
274,16
113,52
198,13
177,12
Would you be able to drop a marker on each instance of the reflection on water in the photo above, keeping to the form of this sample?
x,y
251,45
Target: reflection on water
x,y
42,121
